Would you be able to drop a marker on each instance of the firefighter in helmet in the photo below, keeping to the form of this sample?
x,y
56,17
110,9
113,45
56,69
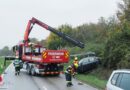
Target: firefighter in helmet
x,y
75,65
68,76
18,65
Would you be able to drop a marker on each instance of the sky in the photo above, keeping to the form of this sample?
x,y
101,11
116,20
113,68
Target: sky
x,y
15,14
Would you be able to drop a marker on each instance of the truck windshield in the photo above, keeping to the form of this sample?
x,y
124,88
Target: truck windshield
x,y
42,49
27,50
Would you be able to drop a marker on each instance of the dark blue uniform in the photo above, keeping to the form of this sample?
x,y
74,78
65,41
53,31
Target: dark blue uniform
x,y
68,76
18,65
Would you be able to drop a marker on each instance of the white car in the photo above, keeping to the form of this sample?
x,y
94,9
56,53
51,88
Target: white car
x,y
119,80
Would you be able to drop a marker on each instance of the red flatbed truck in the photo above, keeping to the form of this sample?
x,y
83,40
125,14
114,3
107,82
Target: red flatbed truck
x,y
39,60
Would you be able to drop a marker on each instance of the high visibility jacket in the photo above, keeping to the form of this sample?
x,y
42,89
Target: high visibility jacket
x,y
76,64
17,63
69,71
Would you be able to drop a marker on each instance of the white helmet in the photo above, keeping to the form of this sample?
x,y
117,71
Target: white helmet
x,y
69,67
16,57
76,58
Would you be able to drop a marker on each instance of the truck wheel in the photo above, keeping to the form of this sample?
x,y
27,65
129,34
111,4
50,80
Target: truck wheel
x,y
28,70
33,73
57,74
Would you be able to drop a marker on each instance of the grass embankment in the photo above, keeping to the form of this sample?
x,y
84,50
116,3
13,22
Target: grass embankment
x,y
2,68
96,78
92,80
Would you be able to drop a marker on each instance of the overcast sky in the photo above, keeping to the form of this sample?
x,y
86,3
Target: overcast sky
x,y
14,15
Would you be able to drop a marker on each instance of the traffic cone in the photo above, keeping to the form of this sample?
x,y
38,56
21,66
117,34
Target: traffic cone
x,y
1,80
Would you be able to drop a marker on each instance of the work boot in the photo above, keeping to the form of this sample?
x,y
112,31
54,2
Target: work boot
x,y
69,84
18,72
15,73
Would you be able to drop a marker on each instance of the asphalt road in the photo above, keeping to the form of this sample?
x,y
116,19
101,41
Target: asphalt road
x,y
26,82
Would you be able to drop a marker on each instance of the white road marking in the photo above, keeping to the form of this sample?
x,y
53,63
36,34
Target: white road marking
x,y
44,88
8,67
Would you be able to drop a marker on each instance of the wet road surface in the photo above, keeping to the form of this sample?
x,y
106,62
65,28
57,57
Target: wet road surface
x,y
26,82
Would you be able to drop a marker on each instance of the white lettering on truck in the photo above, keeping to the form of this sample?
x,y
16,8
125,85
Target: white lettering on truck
x,y
55,53
36,58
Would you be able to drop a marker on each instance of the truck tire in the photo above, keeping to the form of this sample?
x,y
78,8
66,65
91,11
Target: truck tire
x,y
28,69
57,74
33,73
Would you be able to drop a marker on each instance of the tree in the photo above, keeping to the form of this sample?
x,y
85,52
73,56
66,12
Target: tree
x,y
56,42
117,50
34,40
5,51
43,43
123,13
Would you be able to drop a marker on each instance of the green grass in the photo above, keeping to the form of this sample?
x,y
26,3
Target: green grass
x,y
92,80
2,68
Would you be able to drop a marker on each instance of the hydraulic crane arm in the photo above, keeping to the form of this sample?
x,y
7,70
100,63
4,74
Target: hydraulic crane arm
x,y
60,34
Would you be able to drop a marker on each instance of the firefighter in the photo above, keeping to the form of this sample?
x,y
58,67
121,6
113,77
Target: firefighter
x,y
68,76
75,65
18,65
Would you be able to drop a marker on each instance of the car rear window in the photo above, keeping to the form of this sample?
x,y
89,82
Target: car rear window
x,y
125,81
114,78
121,80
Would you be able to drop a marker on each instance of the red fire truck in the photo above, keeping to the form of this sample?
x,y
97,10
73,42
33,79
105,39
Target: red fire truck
x,y
39,60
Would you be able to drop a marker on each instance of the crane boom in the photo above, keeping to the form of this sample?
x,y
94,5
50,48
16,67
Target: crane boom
x,y
38,59
60,34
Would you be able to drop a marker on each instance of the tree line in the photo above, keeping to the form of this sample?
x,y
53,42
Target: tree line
x,y
6,51
109,38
